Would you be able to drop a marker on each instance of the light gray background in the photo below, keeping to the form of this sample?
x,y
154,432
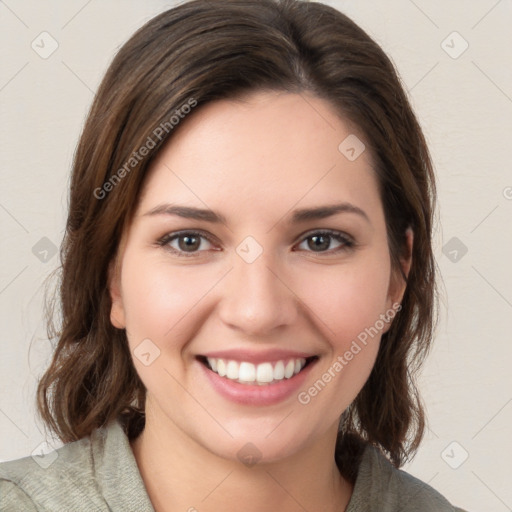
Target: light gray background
x,y
465,107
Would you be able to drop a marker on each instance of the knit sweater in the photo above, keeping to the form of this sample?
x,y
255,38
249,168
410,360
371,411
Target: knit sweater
x,y
99,473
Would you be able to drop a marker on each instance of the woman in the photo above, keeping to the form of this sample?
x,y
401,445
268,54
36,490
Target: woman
x,y
248,281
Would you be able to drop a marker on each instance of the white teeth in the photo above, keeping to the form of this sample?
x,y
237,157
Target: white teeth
x,y
246,372
263,373
279,371
290,369
221,367
232,370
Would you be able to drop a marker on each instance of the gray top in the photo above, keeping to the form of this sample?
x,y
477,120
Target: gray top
x,y
100,473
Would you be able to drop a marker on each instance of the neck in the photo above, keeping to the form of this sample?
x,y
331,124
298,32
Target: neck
x,y
180,474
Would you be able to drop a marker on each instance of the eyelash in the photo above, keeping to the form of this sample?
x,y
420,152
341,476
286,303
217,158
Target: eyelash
x,y
346,241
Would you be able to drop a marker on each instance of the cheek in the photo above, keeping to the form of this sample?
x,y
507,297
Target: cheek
x,y
348,304
159,300
162,305
348,299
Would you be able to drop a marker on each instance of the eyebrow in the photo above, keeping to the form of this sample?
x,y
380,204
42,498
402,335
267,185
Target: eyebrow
x,y
187,212
322,212
298,216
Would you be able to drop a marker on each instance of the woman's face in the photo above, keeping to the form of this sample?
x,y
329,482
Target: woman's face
x,y
255,279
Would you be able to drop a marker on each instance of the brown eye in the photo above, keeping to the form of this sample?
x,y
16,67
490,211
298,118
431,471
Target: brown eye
x,y
186,243
189,243
321,242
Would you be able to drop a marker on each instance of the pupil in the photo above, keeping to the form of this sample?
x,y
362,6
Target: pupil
x,y
186,245
319,242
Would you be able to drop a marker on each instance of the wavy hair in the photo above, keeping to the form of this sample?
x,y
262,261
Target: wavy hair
x,y
220,49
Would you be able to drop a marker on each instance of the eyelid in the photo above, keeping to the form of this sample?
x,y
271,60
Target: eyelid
x,y
169,237
327,231
346,240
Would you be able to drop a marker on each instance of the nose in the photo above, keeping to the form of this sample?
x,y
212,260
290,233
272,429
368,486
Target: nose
x,y
257,300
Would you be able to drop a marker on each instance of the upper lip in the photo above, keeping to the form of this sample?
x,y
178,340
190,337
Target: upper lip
x,y
260,356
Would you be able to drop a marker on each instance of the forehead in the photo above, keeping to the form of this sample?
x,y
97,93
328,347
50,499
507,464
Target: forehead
x,y
266,152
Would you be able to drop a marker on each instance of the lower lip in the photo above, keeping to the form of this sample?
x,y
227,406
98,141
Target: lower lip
x,y
250,394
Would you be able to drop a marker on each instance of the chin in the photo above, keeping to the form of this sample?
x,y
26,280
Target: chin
x,y
257,444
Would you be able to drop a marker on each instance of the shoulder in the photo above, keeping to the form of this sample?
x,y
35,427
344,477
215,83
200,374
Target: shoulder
x,y
51,480
381,487
64,479
12,497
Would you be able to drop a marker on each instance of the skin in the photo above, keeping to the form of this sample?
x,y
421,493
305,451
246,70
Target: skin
x,y
253,161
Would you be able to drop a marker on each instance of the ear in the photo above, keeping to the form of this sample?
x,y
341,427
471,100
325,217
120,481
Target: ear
x,y
397,283
117,315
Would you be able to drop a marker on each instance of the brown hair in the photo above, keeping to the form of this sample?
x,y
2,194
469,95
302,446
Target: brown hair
x,y
202,51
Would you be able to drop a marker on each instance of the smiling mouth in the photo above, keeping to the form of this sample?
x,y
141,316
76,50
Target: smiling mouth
x,y
261,374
